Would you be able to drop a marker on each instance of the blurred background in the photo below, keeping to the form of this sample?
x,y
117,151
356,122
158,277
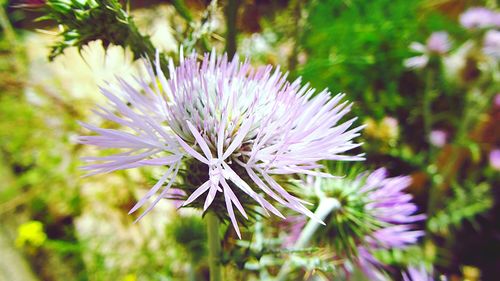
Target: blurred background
x,y
424,78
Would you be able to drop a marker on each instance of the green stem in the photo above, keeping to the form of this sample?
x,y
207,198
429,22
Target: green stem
x,y
182,9
298,25
325,207
426,106
434,190
10,35
231,13
214,246
192,272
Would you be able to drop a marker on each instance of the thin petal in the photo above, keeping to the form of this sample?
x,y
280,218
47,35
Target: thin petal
x,y
242,132
200,140
199,191
191,151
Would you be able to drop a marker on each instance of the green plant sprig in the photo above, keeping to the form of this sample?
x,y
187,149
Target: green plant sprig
x,y
84,21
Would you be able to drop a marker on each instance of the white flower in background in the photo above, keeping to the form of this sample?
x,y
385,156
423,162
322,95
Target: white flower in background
x,y
437,44
438,138
491,43
479,17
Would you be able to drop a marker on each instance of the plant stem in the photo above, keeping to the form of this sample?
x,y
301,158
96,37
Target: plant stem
x,y
325,207
434,190
297,34
214,246
192,272
231,13
10,35
11,39
426,109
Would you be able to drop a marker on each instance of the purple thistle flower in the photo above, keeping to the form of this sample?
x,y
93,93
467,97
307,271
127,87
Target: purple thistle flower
x,y
391,206
375,211
387,201
224,115
479,17
417,274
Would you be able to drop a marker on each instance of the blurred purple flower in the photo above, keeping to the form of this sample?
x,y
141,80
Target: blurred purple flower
x,y
495,159
417,274
174,194
437,44
497,100
293,228
370,265
388,203
491,43
387,213
239,121
438,138
385,204
393,207
479,17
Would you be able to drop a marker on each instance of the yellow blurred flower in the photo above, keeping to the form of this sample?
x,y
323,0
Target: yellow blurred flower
x,y
471,273
30,234
130,277
371,127
385,130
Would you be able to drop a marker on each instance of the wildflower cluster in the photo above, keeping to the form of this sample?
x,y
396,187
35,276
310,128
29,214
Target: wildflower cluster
x,y
84,21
